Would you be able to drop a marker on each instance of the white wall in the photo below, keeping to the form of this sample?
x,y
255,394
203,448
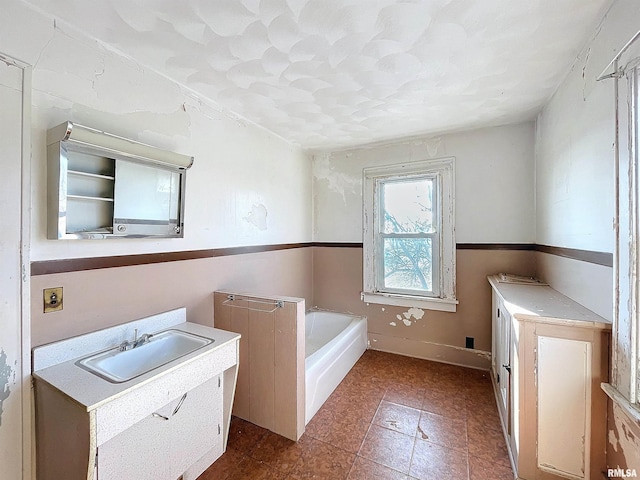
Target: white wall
x,y
494,184
238,167
575,143
575,139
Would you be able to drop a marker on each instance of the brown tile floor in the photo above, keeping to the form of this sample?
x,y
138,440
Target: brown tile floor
x,y
392,417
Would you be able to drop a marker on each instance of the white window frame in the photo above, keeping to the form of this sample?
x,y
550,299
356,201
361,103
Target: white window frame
x,y
444,295
624,388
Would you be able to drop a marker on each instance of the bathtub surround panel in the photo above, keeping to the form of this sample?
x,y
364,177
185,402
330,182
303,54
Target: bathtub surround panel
x,y
110,296
271,389
441,336
289,373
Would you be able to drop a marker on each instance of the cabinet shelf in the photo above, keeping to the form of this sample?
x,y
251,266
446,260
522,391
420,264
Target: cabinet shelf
x,y
92,175
86,197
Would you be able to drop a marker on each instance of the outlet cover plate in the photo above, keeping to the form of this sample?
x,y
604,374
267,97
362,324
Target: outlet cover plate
x,y
52,298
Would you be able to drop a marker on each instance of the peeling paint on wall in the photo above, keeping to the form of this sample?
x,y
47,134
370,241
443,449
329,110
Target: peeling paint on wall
x,y
622,438
393,324
433,146
6,372
338,182
257,216
416,313
406,317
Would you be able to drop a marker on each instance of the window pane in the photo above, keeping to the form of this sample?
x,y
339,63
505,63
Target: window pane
x,y
407,263
407,206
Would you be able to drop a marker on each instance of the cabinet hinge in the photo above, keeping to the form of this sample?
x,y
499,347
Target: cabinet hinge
x,y
218,429
497,378
218,382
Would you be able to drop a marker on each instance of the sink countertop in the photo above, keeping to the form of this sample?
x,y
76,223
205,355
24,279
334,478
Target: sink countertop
x,y
92,391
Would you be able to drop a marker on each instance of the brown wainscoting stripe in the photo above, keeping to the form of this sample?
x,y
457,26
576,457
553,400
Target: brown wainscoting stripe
x,y
459,246
599,258
48,267
338,244
495,246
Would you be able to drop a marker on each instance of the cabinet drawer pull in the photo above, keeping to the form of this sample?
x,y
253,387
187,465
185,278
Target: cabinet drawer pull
x,y
179,404
157,415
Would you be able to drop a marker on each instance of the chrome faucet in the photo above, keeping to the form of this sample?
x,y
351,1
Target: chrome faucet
x,y
124,346
136,342
142,340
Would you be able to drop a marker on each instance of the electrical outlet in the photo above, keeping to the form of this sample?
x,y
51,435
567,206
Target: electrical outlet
x,y
52,298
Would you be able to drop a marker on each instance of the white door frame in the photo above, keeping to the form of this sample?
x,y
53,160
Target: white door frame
x,y
28,439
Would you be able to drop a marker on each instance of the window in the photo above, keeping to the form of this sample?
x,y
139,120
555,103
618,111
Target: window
x,y
625,355
409,246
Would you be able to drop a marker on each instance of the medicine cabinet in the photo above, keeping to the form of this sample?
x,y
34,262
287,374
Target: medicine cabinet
x,y
104,186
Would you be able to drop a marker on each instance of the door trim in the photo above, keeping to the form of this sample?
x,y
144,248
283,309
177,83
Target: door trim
x,y
28,437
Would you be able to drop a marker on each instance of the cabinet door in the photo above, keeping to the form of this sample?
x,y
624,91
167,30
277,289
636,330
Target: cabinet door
x,y
502,361
495,309
564,399
196,426
513,417
139,452
165,444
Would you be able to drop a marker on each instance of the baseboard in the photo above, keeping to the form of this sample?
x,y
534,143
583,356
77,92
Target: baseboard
x,y
464,357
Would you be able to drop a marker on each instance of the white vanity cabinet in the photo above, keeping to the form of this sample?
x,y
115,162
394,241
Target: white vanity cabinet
x,y
168,423
549,356
174,438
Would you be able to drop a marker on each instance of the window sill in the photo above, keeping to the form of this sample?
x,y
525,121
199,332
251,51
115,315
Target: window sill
x,y
631,410
440,304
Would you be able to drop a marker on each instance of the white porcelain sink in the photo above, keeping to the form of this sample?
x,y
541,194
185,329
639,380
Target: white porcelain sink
x,y
119,366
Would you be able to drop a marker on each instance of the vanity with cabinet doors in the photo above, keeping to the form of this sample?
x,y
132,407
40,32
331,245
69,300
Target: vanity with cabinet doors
x,y
549,356
170,422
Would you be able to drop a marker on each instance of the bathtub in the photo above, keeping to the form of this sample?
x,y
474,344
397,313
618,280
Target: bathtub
x,y
334,342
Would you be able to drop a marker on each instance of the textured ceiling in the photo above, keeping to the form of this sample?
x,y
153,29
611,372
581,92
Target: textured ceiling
x,y
328,74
